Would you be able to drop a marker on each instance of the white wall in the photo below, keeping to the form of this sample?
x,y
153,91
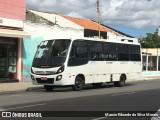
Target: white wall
x,y
112,36
65,24
61,21
152,51
51,32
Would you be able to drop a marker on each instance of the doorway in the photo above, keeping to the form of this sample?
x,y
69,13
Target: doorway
x,y
8,61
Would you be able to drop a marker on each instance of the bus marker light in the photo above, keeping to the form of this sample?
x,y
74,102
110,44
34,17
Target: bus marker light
x,y
59,77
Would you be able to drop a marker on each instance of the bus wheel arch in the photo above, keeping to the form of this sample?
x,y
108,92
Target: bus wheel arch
x,y
121,81
79,82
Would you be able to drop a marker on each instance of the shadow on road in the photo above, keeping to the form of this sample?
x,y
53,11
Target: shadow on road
x,y
85,88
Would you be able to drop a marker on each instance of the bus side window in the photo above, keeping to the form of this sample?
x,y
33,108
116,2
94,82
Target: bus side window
x,y
135,54
123,52
110,51
78,56
72,54
81,52
96,51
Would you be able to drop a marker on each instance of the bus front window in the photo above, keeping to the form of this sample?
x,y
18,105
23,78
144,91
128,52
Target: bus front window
x,y
51,53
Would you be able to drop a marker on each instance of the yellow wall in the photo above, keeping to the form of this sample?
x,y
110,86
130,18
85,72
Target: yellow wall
x,y
152,51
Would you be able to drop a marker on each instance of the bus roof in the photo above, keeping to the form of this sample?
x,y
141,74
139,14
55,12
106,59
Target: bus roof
x,y
125,40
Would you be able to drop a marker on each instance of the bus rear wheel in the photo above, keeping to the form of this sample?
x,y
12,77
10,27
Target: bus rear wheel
x,y
49,87
78,84
121,82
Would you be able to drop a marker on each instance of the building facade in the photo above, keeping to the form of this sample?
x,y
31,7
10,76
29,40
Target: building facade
x,y
12,15
151,61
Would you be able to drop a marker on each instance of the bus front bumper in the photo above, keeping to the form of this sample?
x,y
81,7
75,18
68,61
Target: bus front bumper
x,y
57,79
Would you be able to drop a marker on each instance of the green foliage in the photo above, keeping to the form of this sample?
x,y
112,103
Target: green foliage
x,y
150,41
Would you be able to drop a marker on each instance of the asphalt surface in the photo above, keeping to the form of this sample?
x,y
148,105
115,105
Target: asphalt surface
x,y
134,97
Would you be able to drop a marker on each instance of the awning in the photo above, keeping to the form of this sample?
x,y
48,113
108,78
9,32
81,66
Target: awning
x,y
14,33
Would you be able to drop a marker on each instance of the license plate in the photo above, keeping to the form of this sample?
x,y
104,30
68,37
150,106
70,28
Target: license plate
x,y
43,78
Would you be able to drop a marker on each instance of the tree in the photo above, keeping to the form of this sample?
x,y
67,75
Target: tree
x,y
150,41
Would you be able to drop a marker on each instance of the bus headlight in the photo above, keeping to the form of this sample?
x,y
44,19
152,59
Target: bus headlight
x,y
60,70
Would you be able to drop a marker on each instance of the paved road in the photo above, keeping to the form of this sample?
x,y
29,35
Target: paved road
x,y
135,96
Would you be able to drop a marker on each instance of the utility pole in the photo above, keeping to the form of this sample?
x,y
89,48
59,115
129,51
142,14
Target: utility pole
x,y
99,16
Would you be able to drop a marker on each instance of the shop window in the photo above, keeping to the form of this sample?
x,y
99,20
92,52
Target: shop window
x,y
159,64
144,62
154,59
152,63
12,62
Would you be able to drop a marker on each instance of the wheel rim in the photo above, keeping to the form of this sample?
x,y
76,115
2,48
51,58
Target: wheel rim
x,y
122,80
78,84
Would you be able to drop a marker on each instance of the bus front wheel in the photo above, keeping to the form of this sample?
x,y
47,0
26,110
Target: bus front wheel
x,y
78,84
49,87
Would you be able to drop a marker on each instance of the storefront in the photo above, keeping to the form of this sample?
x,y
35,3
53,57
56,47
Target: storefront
x,y
12,16
11,55
151,61
8,58
11,49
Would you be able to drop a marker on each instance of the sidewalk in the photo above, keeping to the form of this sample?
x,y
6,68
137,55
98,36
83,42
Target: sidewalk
x,y
26,86
15,87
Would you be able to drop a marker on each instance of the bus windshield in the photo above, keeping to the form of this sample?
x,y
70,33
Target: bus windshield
x,y
51,53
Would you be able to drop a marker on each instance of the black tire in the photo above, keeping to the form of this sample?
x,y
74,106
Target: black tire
x,y
49,87
116,84
78,84
97,85
121,82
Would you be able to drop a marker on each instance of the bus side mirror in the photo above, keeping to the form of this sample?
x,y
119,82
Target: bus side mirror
x,y
37,46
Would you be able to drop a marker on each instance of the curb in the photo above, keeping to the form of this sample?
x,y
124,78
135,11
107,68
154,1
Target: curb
x,y
34,88
11,92
20,90
143,79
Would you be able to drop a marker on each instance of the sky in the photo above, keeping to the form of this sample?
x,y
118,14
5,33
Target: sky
x,y
133,17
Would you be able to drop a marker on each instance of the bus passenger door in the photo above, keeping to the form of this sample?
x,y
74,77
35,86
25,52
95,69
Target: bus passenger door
x,y
108,74
98,67
92,70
